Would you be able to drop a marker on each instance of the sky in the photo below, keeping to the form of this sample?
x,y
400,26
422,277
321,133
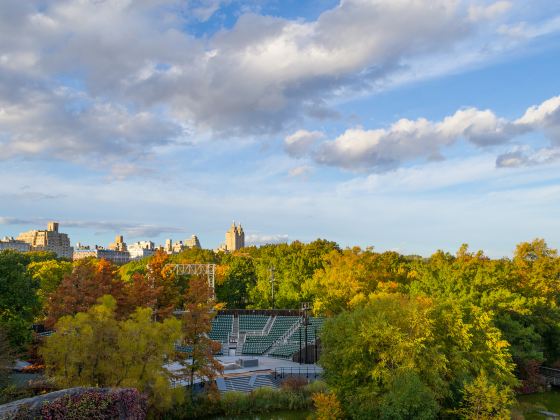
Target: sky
x,y
407,125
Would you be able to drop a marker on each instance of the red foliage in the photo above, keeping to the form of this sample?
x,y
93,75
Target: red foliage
x,y
90,279
118,404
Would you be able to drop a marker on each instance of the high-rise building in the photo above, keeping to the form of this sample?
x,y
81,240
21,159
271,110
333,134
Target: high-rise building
x,y
48,240
141,249
118,245
179,246
235,238
115,256
10,243
193,242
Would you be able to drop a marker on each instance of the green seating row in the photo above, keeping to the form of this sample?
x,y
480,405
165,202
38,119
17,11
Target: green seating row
x,y
252,322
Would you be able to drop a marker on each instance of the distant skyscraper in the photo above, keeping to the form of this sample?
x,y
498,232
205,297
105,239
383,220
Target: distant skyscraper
x,y
118,245
193,242
48,240
235,238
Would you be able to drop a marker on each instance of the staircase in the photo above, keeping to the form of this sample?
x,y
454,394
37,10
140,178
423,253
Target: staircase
x,y
268,324
247,383
235,330
240,342
240,384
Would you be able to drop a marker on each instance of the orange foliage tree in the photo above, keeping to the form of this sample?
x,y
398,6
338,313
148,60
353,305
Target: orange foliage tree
x,y
197,323
90,279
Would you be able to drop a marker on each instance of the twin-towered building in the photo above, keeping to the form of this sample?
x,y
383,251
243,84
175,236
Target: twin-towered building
x,y
235,239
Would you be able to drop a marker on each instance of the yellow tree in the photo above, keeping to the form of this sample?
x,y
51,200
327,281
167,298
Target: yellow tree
x,y
93,348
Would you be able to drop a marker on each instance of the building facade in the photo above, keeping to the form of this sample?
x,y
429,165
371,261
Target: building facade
x,y
116,257
10,243
48,240
118,245
235,238
141,249
176,247
193,242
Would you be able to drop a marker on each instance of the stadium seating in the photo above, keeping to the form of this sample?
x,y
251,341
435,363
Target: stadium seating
x,y
257,345
286,350
252,322
221,328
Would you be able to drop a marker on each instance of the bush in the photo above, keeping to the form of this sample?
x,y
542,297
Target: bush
x,y
261,400
327,406
98,404
294,383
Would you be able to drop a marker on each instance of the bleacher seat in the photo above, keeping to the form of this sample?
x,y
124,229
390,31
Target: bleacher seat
x,y
252,322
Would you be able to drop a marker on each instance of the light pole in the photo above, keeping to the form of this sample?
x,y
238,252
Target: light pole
x,y
271,269
305,306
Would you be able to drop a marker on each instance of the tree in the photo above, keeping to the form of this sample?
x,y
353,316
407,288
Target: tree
x,y
48,275
293,264
90,279
484,400
238,277
162,278
365,350
94,348
18,300
408,398
197,323
6,358
327,406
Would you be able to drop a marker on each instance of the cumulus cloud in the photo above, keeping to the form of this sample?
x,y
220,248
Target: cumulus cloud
x,y
260,239
300,171
117,79
406,140
491,11
301,142
256,77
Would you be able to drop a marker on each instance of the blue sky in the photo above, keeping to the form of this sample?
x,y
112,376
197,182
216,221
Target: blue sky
x,y
412,125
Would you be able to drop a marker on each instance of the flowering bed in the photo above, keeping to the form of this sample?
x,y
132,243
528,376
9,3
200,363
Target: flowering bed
x,y
91,404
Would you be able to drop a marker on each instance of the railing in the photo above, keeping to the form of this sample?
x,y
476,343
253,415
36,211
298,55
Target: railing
x,y
307,371
268,325
283,339
551,375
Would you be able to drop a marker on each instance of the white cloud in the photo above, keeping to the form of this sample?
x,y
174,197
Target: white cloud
x,y
260,239
301,142
259,76
406,140
300,171
491,11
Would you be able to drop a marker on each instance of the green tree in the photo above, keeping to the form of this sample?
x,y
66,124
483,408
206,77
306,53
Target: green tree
x,y
293,264
18,299
408,398
238,277
48,275
94,348
443,344
6,359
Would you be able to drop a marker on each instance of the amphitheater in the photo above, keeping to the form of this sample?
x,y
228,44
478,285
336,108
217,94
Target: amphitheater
x,y
263,347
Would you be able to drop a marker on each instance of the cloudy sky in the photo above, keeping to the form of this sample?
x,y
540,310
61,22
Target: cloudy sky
x,y
412,125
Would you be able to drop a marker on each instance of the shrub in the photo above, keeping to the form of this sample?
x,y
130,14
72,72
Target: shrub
x,y
234,403
327,406
294,383
123,404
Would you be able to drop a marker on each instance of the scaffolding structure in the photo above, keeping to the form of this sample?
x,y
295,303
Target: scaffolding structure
x,y
208,270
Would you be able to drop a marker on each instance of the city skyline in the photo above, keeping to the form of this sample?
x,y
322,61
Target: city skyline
x,y
162,119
